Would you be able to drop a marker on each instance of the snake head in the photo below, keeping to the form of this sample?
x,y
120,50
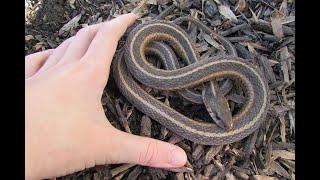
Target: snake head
x,y
217,106
224,113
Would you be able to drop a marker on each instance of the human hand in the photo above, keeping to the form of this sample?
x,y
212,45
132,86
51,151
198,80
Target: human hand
x,y
66,128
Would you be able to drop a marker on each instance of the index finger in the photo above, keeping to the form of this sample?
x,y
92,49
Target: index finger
x,y
104,44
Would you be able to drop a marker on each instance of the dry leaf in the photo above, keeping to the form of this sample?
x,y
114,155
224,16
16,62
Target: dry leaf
x,y
276,24
28,37
283,154
70,25
226,12
260,177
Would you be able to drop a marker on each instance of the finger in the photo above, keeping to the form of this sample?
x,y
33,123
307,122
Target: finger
x,y
80,44
57,54
128,148
104,44
34,62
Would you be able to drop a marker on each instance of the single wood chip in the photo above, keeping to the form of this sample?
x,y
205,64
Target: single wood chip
x,y
230,176
209,170
70,25
241,5
211,41
266,27
260,177
213,150
135,173
180,169
289,164
140,9
120,175
285,63
284,8
218,165
241,175
174,139
284,154
276,25
153,2
157,173
282,128
120,169
276,167
71,3
226,12
145,126
197,152
121,117
179,176
254,45
268,71
255,17
28,37
288,20
40,45
163,132
292,117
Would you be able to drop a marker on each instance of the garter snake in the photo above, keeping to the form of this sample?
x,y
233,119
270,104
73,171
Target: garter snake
x,y
131,65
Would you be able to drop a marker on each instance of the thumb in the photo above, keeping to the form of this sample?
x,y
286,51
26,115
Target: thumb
x,y
145,151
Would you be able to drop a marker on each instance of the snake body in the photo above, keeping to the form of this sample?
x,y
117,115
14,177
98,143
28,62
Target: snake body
x,y
131,66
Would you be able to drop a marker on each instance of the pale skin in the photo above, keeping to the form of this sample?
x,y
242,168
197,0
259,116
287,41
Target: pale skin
x,y
66,129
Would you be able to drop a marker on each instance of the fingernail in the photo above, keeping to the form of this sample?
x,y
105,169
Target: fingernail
x,y
178,157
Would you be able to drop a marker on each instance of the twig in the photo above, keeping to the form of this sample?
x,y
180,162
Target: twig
x,y
234,29
166,12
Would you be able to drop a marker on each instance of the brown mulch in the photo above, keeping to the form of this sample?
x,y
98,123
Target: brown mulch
x,y
262,31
